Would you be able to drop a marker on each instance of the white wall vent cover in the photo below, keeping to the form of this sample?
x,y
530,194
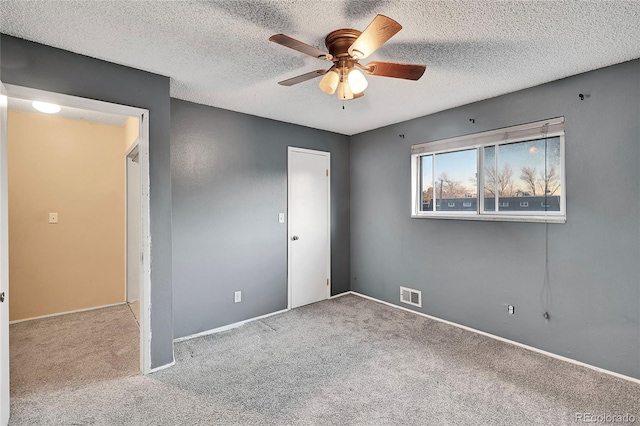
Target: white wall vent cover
x,y
411,296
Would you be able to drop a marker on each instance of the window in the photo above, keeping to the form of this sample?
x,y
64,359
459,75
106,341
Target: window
x,y
515,173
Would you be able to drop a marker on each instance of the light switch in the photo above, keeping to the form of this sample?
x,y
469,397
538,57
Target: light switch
x,y
53,217
280,217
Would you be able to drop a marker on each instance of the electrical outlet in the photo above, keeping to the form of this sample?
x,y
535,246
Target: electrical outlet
x,y
512,310
237,297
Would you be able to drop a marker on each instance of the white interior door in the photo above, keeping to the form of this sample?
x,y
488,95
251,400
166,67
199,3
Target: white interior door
x,y
133,226
309,226
4,264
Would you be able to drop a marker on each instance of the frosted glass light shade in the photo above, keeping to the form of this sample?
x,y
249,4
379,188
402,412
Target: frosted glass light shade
x,y
356,80
330,81
46,107
344,91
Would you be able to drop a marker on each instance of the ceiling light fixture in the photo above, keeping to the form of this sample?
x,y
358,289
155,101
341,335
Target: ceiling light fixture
x,y
346,47
46,107
344,91
349,81
357,81
330,81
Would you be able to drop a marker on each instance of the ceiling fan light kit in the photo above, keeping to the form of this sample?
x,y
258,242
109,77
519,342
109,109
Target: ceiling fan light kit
x,y
346,47
356,80
330,81
344,92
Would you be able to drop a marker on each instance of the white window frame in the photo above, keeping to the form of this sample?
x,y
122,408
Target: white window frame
x,y
550,128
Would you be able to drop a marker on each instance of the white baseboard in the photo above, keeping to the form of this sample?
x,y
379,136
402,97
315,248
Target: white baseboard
x,y
162,367
226,327
240,323
68,312
502,339
340,295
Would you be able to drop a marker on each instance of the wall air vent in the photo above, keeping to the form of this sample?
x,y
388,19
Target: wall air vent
x,y
411,296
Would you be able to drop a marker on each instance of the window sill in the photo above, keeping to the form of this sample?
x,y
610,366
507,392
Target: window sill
x,y
494,218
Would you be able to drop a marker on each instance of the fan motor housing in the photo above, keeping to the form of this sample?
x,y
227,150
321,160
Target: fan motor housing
x,y
339,41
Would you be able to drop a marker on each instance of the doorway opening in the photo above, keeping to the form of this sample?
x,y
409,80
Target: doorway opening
x,y
72,215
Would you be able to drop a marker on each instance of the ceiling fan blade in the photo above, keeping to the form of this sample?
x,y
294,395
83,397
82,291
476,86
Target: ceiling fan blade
x,y
303,77
381,29
294,44
395,70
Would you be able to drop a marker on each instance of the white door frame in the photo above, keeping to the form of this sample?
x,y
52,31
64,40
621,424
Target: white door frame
x,y
145,236
4,262
133,148
327,155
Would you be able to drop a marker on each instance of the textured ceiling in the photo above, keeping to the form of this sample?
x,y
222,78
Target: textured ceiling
x,y
72,113
217,53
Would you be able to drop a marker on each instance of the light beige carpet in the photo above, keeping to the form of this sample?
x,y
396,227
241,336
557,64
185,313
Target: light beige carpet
x,y
74,349
346,361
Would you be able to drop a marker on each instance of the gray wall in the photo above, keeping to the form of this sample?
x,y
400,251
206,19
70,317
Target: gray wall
x,y
469,271
42,67
229,177
229,180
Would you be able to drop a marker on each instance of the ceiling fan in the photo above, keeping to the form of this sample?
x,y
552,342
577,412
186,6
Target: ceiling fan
x,y
346,47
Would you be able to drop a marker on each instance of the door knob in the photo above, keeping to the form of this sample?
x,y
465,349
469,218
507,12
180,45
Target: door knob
x,y
295,237
2,297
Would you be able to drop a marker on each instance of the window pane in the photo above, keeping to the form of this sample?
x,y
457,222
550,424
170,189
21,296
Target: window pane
x,y
529,176
426,183
490,179
456,180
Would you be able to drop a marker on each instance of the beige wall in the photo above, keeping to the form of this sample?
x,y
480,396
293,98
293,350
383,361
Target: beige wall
x,y
131,130
75,169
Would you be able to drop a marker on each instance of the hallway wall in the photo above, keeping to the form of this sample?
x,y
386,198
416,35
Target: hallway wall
x,y
76,169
